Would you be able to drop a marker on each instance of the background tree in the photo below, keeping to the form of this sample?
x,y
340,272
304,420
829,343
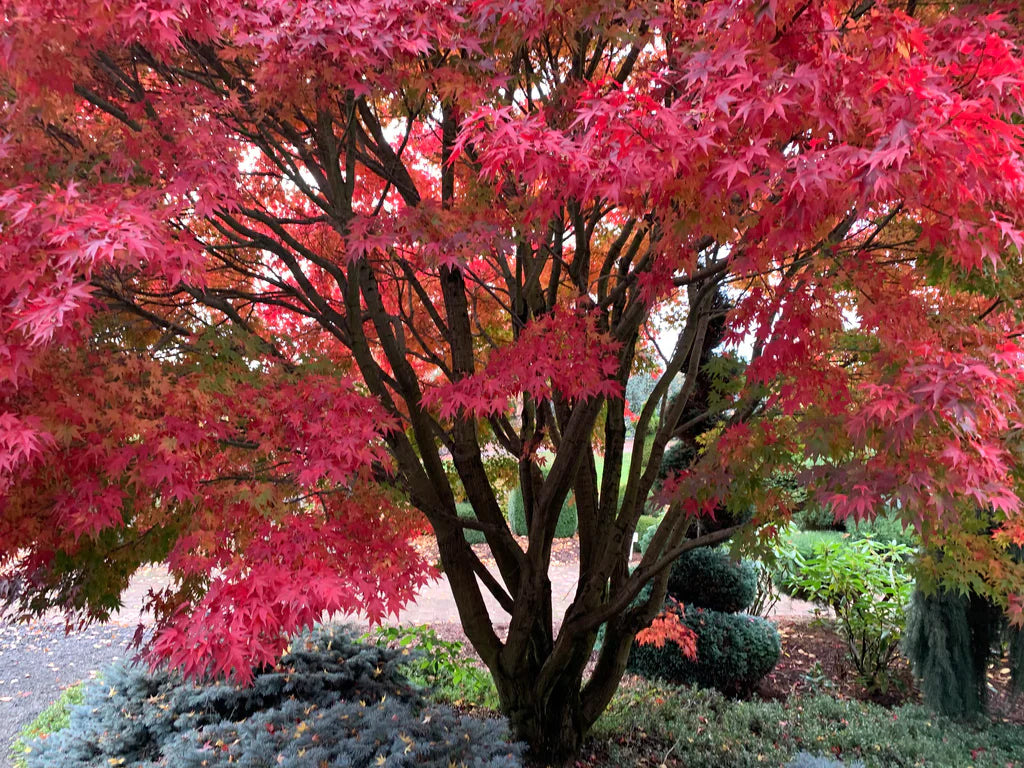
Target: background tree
x,y
266,266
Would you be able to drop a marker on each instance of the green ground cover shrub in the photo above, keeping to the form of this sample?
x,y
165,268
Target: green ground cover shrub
x,y
52,719
330,701
807,760
701,728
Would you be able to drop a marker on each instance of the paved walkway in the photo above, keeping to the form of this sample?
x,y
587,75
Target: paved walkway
x,y
38,660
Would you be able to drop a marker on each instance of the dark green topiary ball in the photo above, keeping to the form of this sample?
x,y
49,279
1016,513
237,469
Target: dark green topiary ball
x,y
707,578
734,651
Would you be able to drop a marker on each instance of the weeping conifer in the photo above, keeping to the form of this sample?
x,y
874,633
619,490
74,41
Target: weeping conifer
x,y
940,645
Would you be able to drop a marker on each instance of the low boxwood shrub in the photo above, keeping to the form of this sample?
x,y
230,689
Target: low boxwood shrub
x,y
567,520
677,457
466,512
734,651
440,666
708,578
330,700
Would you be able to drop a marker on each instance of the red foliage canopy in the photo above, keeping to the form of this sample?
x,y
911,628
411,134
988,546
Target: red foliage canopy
x,y
265,267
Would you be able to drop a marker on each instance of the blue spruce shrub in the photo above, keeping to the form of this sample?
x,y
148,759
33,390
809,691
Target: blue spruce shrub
x,y
567,519
734,651
329,696
807,760
708,578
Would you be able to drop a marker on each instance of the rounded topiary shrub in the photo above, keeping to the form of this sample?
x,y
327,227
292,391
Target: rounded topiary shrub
x,y
734,651
466,512
708,578
567,519
676,458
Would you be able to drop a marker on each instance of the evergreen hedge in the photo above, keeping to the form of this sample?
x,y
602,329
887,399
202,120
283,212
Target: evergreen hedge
x,y
466,512
567,520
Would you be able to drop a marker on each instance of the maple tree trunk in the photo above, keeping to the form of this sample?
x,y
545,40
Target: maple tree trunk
x,y
545,712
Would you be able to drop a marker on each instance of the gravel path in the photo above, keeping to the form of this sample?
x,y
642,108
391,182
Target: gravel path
x,y
38,661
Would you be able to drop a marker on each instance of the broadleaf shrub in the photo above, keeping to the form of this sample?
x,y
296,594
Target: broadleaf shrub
x,y
793,548
707,577
330,700
734,651
867,584
567,519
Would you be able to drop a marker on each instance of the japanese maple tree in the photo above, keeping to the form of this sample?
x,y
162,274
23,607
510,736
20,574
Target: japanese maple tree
x,y
268,270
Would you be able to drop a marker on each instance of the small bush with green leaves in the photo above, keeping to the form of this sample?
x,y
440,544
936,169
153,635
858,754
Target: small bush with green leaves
x,y
330,701
708,578
734,651
440,666
466,512
703,729
793,547
567,520
867,584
